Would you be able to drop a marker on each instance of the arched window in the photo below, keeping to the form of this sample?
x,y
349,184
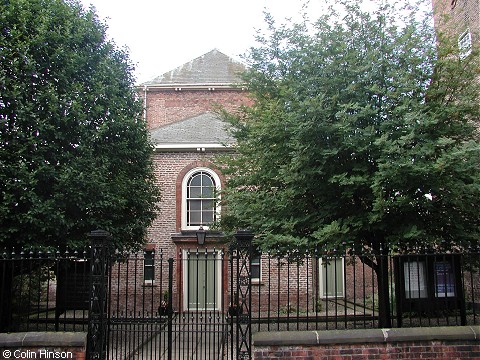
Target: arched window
x,y
200,198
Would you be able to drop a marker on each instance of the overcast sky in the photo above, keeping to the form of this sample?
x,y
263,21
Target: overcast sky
x,y
164,34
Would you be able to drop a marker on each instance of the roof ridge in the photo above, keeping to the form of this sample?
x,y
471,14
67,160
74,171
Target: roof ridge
x,y
213,67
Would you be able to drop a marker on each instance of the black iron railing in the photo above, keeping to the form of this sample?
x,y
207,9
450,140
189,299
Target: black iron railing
x,y
343,291
44,291
209,301
179,313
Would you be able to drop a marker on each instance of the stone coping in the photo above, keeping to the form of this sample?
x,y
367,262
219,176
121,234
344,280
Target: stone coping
x,y
324,337
47,339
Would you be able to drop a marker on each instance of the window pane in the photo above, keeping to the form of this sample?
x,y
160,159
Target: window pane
x,y
194,192
255,271
201,199
255,266
195,218
195,180
207,181
208,205
207,217
465,44
208,192
195,205
149,273
148,266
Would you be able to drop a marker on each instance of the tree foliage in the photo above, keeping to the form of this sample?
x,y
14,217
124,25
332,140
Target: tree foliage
x,y
74,152
363,135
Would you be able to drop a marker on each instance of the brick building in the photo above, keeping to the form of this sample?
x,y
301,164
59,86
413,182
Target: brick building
x,y
187,134
459,19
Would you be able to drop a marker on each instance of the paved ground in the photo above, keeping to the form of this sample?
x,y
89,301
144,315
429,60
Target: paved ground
x,y
193,338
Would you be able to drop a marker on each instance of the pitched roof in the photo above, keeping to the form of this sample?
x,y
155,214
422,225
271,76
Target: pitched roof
x,y
211,68
206,128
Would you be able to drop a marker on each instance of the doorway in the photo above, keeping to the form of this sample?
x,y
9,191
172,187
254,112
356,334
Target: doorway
x,y
202,280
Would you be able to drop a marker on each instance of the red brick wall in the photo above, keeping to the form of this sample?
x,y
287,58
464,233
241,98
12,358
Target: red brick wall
x,y
163,107
131,297
166,106
290,287
168,168
400,350
128,290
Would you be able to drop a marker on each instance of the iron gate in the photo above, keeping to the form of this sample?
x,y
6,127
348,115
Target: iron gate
x,y
196,306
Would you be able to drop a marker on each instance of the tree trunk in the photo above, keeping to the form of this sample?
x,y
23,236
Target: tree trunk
x,y
379,264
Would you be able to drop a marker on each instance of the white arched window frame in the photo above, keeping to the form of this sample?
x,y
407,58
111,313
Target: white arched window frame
x,y
200,198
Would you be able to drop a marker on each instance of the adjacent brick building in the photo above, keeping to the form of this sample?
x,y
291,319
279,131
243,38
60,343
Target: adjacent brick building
x,y
459,19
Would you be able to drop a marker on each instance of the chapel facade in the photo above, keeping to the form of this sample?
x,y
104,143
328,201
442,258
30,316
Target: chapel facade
x,y
180,109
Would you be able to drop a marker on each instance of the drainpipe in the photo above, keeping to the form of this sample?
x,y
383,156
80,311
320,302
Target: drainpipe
x,y
145,104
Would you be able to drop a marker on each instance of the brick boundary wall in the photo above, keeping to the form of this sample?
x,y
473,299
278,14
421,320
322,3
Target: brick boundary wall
x,y
452,343
43,345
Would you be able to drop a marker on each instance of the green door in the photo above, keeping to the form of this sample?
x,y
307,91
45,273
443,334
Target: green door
x,y
203,275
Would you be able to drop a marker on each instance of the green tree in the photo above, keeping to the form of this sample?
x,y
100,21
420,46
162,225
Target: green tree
x,y
362,137
74,151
